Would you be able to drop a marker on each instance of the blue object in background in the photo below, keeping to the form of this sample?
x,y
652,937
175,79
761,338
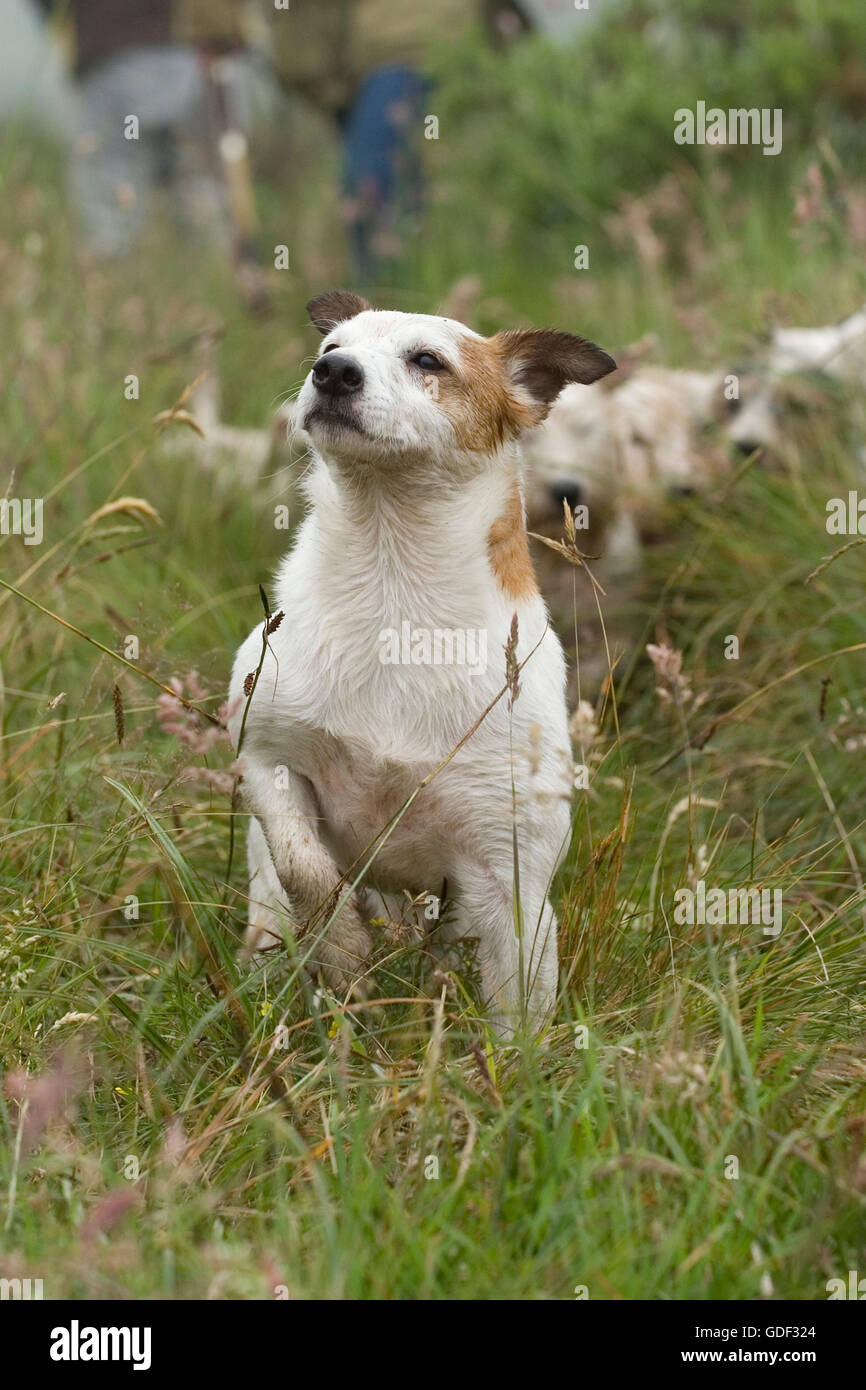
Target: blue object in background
x,y
382,179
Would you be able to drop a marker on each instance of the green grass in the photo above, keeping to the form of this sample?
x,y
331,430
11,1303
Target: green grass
x,y
604,1166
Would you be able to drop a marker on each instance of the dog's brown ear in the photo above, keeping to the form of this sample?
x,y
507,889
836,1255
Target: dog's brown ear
x,y
543,360
335,306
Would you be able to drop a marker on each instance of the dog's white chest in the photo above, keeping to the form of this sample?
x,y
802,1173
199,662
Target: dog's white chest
x,y
360,795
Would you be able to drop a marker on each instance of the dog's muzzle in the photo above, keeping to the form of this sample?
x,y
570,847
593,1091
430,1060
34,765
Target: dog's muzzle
x,y
336,374
567,490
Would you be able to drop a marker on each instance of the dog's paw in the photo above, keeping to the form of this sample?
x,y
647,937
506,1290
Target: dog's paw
x,y
262,936
341,956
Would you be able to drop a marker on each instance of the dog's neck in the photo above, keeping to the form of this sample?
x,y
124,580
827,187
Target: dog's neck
x,y
433,540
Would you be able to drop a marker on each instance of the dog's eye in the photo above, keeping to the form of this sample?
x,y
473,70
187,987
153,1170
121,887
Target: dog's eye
x,y
330,347
428,362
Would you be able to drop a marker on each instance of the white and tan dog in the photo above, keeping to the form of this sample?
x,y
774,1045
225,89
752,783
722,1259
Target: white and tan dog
x,y
627,449
415,531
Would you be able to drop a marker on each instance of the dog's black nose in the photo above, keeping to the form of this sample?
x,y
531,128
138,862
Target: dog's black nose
x,y
569,490
335,374
746,446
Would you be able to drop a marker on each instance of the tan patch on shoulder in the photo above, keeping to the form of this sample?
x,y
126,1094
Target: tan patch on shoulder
x,y
508,548
478,400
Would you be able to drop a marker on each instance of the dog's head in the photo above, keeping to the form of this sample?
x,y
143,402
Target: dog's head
x,y
390,387
572,458
635,444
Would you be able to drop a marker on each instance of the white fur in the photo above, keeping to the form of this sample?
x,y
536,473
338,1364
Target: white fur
x,y
839,351
628,449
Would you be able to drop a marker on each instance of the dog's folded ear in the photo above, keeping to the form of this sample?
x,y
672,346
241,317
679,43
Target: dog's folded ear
x,y
544,360
335,306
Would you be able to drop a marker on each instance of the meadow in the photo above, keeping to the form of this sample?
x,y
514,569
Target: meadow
x,y
176,1124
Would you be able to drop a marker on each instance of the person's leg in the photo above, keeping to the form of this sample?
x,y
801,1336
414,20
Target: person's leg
x,y
110,175
382,176
216,101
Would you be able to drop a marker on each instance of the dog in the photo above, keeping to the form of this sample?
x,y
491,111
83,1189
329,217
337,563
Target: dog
x,y
630,447
623,457
802,370
233,456
364,756
838,351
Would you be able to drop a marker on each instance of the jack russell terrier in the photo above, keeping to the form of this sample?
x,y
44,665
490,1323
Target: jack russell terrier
x,y
413,551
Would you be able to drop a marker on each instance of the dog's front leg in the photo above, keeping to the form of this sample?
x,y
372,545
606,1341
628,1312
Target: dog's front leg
x,y
517,951
339,940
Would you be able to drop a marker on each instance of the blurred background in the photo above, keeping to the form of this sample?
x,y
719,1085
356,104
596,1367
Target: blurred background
x,y
179,176
405,148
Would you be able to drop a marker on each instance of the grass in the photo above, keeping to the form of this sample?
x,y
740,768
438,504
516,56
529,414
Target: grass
x,y
174,1125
